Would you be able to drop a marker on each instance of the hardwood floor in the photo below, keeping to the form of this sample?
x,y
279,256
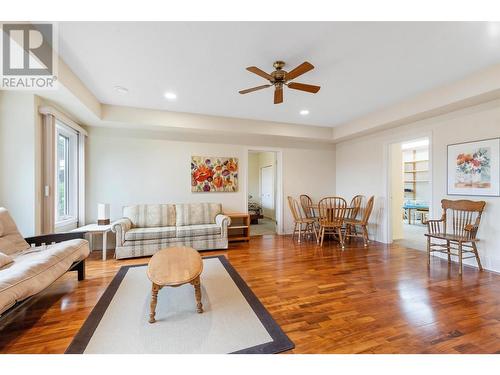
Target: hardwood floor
x,y
382,299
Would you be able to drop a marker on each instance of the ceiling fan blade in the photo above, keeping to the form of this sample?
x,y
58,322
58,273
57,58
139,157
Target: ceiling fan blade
x,y
301,69
254,89
303,87
260,72
278,95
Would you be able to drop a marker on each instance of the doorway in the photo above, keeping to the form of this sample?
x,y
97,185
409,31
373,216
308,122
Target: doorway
x,y
410,192
262,192
267,191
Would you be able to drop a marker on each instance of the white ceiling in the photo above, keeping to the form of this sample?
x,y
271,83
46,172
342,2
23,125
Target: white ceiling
x,y
361,66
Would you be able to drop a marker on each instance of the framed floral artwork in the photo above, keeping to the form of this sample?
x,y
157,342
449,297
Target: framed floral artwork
x,y
214,174
474,168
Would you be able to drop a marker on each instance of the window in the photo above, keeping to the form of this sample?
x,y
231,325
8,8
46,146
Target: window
x,y
66,168
63,172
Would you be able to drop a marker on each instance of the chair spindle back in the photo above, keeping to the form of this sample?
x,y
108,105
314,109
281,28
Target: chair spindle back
x,y
463,216
294,209
367,211
355,206
306,203
332,210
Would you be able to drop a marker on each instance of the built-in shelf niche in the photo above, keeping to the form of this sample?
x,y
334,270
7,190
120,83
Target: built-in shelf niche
x,y
415,173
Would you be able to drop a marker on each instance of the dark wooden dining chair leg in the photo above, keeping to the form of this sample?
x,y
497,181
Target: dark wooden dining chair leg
x,y
428,251
314,231
460,258
366,239
341,239
348,233
474,248
448,247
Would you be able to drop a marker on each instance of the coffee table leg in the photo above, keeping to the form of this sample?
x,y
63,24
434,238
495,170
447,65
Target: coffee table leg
x,y
154,300
197,293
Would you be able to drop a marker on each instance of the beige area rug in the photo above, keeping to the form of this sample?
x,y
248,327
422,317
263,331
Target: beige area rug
x,y
265,226
233,321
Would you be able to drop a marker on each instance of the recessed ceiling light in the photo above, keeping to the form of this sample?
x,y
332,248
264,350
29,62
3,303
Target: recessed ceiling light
x,y
170,96
304,112
121,90
494,29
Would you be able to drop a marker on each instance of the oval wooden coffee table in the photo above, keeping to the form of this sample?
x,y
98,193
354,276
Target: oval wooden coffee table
x,y
175,266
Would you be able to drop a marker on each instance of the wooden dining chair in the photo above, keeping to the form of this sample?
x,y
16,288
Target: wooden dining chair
x,y
300,221
332,212
458,227
306,203
355,206
353,223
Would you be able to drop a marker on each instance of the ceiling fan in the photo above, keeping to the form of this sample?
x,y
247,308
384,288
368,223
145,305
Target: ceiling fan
x,y
281,77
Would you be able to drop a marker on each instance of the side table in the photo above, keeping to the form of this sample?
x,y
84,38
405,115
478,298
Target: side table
x,y
239,230
92,229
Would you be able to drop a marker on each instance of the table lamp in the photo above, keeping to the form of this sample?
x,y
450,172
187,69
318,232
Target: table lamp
x,y
103,214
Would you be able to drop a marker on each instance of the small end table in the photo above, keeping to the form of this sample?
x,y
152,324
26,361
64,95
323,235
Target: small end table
x,y
239,230
92,229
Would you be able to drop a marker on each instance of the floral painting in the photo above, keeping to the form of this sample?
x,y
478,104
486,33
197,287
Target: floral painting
x,y
214,174
473,168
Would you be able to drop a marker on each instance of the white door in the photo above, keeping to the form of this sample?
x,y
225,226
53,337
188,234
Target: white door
x,y
267,191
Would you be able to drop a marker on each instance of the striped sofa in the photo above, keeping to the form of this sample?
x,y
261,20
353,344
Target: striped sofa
x,y
147,228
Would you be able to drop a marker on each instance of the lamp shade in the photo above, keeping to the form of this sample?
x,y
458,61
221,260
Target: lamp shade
x,y
103,213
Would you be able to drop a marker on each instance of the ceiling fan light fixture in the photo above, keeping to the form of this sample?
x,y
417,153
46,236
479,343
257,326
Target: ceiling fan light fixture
x,y
280,78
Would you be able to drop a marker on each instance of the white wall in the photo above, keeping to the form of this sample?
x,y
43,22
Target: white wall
x,y
126,167
361,167
19,158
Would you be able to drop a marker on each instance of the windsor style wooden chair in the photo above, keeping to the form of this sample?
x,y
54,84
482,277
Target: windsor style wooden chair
x,y
306,204
353,223
332,211
456,231
355,206
300,221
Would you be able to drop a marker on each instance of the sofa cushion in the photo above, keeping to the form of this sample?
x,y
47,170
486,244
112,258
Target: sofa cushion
x,y
11,240
156,233
197,213
150,215
5,259
35,269
198,230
